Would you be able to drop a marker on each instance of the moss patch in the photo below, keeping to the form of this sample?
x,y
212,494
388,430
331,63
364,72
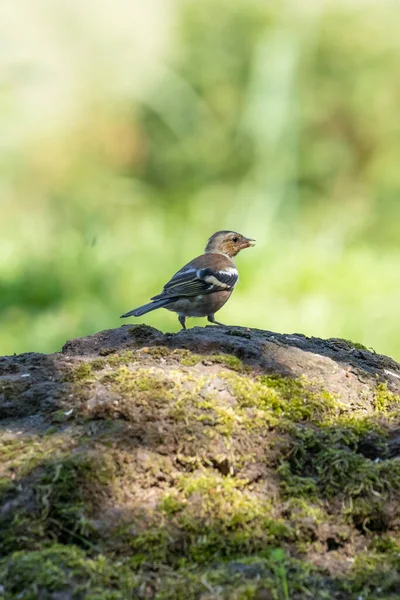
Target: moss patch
x,y
69,570
66,570
61,494
329,457
79,373
230,361
19,456
327,464
186,357
353,345
385,400
115,359
284,400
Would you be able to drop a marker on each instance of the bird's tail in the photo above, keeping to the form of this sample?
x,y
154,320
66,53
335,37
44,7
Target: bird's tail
x,y
142,310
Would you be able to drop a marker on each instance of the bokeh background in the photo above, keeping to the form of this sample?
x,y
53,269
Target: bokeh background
x,y
131,131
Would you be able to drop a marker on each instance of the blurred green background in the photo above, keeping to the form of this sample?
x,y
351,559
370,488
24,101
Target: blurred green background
x,y
132,130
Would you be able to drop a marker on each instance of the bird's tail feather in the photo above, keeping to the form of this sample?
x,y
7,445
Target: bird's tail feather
x,y
142,310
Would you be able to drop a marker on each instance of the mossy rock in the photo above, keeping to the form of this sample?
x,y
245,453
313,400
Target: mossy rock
x,y
213,464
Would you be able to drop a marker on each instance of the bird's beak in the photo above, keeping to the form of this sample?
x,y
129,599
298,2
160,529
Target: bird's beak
x,y
247,243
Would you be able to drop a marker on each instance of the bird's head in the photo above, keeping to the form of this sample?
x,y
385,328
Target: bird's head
x,y
228,242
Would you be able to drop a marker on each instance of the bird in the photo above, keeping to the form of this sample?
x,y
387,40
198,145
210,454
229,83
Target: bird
x,y
203,285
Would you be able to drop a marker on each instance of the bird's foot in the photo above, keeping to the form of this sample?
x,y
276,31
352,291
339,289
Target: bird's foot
x,y
182,320
212,320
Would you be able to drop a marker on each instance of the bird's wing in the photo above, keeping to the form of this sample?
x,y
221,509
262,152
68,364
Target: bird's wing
x,y
193,282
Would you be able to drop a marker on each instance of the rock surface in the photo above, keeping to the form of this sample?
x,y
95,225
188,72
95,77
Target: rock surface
x,y
210,464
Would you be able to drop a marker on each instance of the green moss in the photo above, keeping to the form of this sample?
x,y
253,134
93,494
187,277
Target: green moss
x,y
203,542
208,517
106,351
376,573
369,514
326,462
10,448
156,352
295,399
219,418
126,357
140,385
384,399
152,546
385,543
99,363
283,399
52,430
18,457
294,485
170,504
66,570
210,482
353,345
186,357
230,361
61,416
126,380
217,516
65,493
299,508
178,394
253,578
79,373
359,346
122,358
5,486
356,425
115,359
189,359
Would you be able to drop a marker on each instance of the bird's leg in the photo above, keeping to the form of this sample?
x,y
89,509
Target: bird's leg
x,y
182,320
211,318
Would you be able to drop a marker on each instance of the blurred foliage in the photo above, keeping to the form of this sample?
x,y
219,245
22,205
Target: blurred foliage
x,y
135,133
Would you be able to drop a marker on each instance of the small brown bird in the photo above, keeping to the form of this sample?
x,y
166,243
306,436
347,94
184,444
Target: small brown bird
x,y
202,286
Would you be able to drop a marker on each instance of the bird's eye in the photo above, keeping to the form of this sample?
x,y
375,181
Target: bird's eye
x,y
235,239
